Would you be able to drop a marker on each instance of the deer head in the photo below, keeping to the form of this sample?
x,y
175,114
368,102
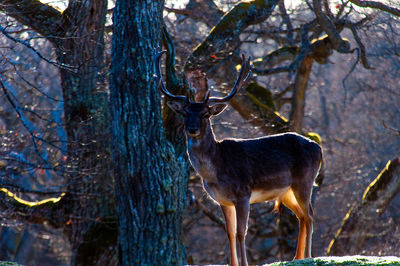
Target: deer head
x,y
196,114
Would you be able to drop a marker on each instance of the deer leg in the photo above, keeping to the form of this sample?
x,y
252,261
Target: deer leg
x,y
290,201
309,225
301,206
230,224
303,198
242,217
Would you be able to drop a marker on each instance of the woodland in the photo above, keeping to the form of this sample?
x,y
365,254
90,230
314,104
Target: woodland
x,y
93,165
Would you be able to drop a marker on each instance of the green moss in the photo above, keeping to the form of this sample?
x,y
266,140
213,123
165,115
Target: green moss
x,y
277,56
314,136
263,95
345,260
381,181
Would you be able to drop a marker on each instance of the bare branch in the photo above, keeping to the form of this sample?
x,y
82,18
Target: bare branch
x,y
273,58
35,135
210,215
287,21
63,66
391,128
377,5
348,75
364,60
338,43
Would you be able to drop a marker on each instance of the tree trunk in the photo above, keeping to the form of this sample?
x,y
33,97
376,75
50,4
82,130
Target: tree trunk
x,y
299,94
86,212
149,184
91,229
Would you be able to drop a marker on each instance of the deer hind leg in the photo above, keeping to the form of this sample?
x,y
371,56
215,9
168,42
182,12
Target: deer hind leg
x,y
230,224
242,217
302,208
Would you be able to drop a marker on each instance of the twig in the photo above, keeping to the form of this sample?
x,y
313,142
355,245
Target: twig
x,y
377,5
391,128
24,121
63,66
349,73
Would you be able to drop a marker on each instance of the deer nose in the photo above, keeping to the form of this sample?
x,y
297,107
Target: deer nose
x,y
193,131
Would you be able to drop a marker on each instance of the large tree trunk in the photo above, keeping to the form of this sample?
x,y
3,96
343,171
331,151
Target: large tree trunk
x,y
87,125
86,211
149,184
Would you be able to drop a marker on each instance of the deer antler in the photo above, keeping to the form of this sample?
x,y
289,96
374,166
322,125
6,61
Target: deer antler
x,y
157,57
242,78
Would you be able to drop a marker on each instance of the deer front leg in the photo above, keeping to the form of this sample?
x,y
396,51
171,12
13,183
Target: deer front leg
x,y
230,224
242,217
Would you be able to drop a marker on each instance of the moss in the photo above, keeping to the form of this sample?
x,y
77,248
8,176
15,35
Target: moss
x,y
345,260
381,181
30,204
314,136
263,95
277,56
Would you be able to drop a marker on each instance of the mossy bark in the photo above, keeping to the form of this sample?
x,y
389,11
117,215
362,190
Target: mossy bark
x,y
359,219
224,38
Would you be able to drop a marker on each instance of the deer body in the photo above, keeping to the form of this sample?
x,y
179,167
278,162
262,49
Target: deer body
x,y
259,169
238,172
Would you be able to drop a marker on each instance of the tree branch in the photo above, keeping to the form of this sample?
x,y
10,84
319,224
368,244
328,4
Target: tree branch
x,y
326,24
42,18
377,5
223,39
287,21
63,66
357,38
201,10
273,58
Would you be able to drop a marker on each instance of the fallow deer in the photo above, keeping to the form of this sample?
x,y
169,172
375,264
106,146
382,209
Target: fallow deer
x,y
239,172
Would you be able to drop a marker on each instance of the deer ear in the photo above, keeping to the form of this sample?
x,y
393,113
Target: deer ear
x,y
217,109
176,106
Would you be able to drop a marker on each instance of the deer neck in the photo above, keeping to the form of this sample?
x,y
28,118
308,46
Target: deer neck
x,y
202,154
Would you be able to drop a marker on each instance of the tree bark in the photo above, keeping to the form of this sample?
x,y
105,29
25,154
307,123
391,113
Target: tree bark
x,y
88,207
150,187
299,94
358,221
87,124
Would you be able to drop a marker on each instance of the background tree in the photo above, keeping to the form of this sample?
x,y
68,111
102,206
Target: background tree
x,y
77,35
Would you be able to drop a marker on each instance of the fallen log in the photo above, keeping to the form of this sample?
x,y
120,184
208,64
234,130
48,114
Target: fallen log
x,y
358,221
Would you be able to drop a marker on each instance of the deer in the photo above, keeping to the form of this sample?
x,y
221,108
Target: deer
x,y
238,172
